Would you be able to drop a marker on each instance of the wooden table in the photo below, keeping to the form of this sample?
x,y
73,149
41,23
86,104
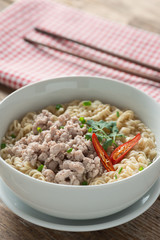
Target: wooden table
x,y
143,14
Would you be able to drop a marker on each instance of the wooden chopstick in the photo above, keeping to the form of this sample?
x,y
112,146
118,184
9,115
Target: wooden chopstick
x,y
101,62
99,49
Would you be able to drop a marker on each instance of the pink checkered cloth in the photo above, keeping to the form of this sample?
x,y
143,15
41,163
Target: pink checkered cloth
x,y
22,63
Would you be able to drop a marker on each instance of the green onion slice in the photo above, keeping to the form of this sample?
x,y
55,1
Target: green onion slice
x,y
141,168
115,176
40,168
90,130
87,103
69,150
58,106
120,170
13,136
61,127
82,120
39,129
84,183
117,113
3,145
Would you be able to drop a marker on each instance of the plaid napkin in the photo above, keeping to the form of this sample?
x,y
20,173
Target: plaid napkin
x,y
22,63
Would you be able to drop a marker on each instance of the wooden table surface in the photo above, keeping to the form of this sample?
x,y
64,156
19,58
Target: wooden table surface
x,y
140,13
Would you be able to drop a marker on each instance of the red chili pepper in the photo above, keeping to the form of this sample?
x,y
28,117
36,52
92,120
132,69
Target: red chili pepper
x,y
105,159
119,153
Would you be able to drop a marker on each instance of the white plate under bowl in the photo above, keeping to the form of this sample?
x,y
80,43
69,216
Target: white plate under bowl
x,y
38,218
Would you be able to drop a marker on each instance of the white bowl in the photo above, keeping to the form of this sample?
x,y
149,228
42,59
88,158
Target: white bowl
x,y
80,202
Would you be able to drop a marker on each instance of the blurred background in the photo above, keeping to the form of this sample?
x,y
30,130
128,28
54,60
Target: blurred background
x,y
139,13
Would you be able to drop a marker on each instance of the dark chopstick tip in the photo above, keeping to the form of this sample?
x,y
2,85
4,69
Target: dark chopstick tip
x,y
28,40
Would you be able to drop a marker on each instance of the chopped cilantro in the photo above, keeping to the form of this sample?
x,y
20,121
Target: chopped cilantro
x,y
106,132
39,129
58,106
88,136
84,183
82,126
107,143
82,120
87,103
117,113
99,126
3,145
115,143
13,136
40,168
120,170
69,150
141,168
61,127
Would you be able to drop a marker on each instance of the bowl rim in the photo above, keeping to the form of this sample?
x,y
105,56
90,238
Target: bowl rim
x,y
80,77
30,85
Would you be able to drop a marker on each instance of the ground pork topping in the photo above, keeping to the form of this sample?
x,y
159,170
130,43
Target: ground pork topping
x,y
68,157
43,121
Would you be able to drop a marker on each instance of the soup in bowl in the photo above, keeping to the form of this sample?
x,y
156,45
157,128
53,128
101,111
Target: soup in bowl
x,y
79,147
